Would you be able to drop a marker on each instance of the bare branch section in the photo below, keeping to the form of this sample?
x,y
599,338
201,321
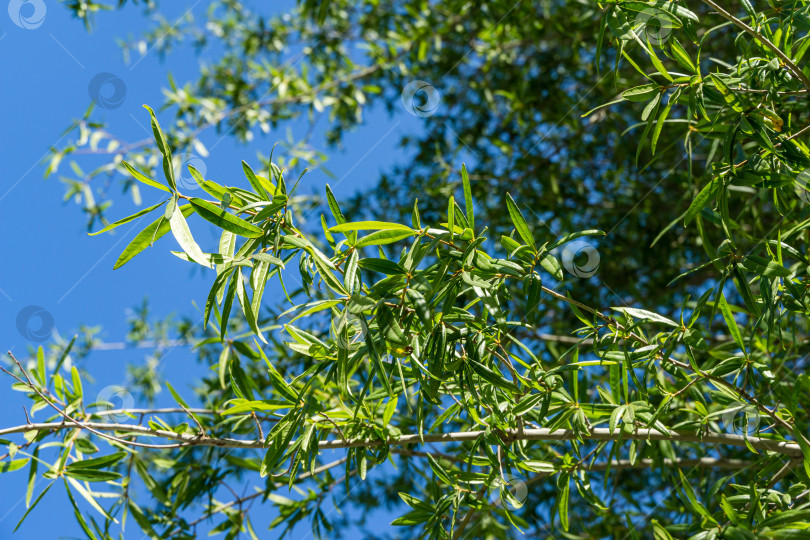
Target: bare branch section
x,y
596,434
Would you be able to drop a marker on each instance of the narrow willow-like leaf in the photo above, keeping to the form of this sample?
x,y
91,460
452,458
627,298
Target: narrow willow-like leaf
x,y
216,292
258,281
468,202
183,236
143,178
227,303
645,315
681,56
31,508
146,237
380,238
13,465
165,149
573,236
383,266
369,225
128,219
519,222
706,194
350,275
266,257
224,219
641,93
733,329
551,264
328,277
247,309
99,462
659,125
254,181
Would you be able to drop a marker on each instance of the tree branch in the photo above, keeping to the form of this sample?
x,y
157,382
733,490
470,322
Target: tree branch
x,y
793,68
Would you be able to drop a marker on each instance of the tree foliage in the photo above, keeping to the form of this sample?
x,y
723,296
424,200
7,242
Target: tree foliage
x,y
457,343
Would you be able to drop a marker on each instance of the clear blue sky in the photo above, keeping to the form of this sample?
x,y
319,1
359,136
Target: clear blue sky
x,y
49,261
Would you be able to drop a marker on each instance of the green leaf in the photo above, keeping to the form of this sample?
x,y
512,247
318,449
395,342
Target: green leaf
x,y
519,222
706,194
573,236
141,519
77,513
681,56
143,178
255,182
645,315
325,271
390,409
696,505
165,149
617,22
183,236
537,466
641,93
99,462
266,257
224,219
728,94
383,237
659,124
258,281
733,329
92,475
227,303
659,532
551,265
30,508
451,212
383,266
128,219
563,495
277,381
213,294
146,237
765,267
349,277
77,382
369,226
493,377
371,346
13,465
468,202
32,475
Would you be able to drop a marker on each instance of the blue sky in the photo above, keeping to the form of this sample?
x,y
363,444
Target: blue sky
x,y
49,261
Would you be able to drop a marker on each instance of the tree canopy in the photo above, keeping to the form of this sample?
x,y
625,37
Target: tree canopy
x,y
592,322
